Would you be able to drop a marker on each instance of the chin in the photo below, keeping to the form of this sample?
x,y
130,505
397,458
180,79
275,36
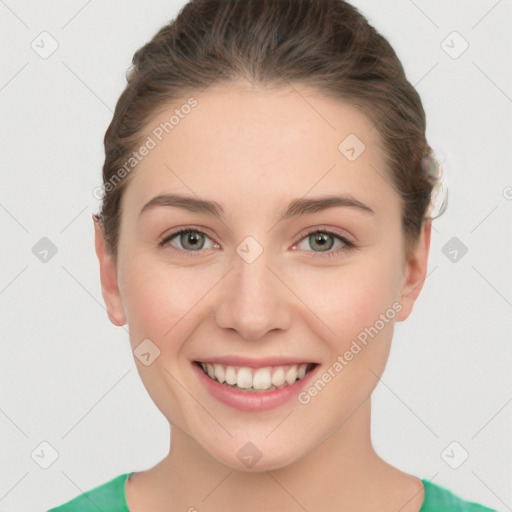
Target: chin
x,y
247,457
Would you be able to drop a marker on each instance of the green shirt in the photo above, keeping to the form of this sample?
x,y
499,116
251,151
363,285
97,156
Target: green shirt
x,y
110,497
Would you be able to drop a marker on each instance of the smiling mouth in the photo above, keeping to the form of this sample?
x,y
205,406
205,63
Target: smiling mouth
x,y
268,378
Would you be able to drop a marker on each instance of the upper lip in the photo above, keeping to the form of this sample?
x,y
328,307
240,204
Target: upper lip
x,y
235,360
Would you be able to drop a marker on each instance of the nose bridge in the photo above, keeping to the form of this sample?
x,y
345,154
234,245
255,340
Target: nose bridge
x,y
254,301
253,279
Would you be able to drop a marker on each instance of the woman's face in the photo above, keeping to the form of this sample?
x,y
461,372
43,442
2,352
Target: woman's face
x,y
252,289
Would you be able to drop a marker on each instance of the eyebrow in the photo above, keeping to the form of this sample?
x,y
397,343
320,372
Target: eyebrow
x,y
296,207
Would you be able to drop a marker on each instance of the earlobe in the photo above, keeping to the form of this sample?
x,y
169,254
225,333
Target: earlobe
x,y
108,277
415,272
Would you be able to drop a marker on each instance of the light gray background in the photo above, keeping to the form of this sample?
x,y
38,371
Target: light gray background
x,y
68,376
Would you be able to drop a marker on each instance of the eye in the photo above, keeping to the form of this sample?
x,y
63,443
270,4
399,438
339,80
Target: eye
x,y
188,239
324,241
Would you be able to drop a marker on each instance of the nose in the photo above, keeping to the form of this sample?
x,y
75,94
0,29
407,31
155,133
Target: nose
x,y
254,300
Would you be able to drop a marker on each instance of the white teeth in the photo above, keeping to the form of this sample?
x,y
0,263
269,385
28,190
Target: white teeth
x,y
267,378
261,379
209,369
230,375
219,372
244,378
291,375
278,377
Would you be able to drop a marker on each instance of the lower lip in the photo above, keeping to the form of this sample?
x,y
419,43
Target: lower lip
x,y
252,401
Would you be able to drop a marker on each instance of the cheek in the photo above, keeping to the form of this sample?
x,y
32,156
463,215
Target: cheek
x,y
160,300
350,298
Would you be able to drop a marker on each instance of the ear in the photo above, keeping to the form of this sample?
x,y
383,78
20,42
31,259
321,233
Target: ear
x,y
108,277
415,272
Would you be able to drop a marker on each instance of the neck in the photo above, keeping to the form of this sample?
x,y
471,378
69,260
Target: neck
x,y
342,473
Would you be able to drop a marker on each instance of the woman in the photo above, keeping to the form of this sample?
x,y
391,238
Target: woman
x,y
266,221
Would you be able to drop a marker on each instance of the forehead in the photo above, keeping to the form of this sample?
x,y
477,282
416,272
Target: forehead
x,y
246,146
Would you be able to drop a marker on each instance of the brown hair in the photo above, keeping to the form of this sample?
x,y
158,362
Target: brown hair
x,y
324,44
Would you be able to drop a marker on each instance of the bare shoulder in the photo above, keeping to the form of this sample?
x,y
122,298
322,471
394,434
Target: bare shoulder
x,y
133,492
406,492
416,490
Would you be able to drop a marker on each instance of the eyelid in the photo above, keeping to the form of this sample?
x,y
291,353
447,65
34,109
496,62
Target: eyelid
x,y
165,240
326,229
348,245
187,227
346,240
305,232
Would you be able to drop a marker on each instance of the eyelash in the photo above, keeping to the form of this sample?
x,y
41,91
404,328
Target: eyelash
x,y
348,245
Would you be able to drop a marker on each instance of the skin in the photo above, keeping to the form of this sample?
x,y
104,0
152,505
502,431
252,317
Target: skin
x,y
253,151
